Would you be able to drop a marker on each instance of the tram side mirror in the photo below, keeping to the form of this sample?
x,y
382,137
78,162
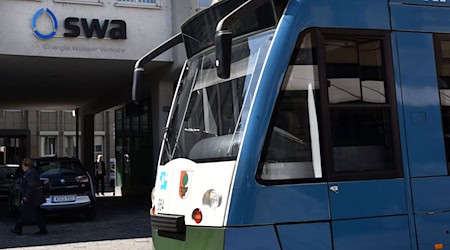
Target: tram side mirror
x,y
223,41
138,92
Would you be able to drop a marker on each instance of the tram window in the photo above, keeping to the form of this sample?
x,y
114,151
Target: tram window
x,y
293,150
443,68
360,117
361,140
355,71
342,126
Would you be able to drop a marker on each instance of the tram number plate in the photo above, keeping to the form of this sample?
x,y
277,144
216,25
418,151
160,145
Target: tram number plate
x,y
63,198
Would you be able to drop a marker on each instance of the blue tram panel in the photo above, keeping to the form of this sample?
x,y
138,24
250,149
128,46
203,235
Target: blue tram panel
x,y
421,105
305,236
380,213
445,3
363,199
387,233
368,214
433,229
420,18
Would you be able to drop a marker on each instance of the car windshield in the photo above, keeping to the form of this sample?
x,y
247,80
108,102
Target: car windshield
x,y
209,113
59,168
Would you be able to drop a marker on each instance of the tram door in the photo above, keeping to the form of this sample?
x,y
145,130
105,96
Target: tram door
x,y
423,72
336,124
361,142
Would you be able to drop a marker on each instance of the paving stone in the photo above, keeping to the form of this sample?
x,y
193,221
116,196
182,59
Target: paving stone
x,y
122,224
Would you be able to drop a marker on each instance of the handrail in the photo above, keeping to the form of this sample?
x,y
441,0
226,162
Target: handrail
x,y
139,66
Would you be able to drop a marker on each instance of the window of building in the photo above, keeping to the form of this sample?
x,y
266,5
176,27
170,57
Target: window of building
x,y
98,141
341,125
69,120
93,2
12,149
70,147
48,120
442,46
138,3
48,145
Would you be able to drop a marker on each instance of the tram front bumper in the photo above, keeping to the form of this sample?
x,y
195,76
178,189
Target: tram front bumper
x,y
229,238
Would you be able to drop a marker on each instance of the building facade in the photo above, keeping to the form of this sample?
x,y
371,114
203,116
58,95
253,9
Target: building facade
x,y
64,55
43,133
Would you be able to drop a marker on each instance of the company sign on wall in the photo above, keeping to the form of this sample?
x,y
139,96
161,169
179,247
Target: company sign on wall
x,y
74,27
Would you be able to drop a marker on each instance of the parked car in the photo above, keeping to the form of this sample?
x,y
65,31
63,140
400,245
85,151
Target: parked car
x,y
67,187
6,170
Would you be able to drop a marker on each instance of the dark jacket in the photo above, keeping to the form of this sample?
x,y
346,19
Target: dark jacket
x,y
32,188
98,166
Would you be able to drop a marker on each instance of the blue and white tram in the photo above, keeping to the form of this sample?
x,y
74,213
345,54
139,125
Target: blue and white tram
x,y
308,124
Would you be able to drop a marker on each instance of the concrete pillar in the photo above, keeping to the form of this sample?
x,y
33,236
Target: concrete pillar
x,y
106,147
87,142
60,127
33,126
77,133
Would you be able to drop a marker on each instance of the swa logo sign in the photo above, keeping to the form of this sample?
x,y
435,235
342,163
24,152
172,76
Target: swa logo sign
x,y
38,14
74,27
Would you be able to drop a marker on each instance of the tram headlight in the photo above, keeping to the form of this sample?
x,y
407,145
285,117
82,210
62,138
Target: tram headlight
x,y
153,209
212,199
153,196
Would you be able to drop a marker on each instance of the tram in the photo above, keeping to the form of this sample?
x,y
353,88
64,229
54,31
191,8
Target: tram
x,y
308,124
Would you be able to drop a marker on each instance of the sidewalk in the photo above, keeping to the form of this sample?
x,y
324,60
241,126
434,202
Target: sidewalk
x,y
129,244
122,224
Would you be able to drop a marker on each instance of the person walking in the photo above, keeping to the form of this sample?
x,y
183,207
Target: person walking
x,y
100,172
32,198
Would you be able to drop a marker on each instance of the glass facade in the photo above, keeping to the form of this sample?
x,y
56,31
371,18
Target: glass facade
x,y
134,160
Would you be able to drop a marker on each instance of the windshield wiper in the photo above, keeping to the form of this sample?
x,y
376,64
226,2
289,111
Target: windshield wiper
x,y
176,146
287,135
173,111
166,143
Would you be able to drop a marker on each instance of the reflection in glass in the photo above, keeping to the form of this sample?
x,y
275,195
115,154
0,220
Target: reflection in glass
x,y
293,151
445,49
443,65
361,135
355,71
209,114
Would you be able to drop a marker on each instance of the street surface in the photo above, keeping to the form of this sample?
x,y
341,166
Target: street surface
x,y
121,224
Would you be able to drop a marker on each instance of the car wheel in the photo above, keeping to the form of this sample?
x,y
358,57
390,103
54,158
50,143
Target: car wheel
x,y
91,214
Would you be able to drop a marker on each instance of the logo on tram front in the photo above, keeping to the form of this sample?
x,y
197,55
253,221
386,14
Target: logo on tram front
x,y
163,180
185,183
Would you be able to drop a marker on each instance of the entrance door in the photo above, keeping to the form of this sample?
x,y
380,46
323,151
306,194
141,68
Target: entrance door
x,y
361,134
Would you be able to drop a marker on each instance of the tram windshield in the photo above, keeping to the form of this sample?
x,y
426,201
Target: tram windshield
x,y
207,121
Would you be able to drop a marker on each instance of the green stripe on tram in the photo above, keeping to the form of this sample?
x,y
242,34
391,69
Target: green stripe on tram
x,y
196,238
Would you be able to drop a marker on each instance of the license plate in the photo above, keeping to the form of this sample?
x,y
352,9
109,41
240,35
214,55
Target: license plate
x,y
63,198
